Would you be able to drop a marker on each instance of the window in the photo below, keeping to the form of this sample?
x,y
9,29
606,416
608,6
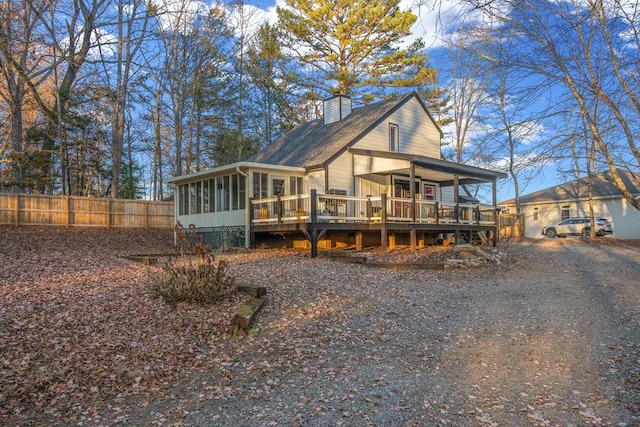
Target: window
x,y
212,195
183,198
535,214
205,196
278,187
566,212
242,193
296,185
222,193
260,182
394,138
193,195
429,192
235,191
198,197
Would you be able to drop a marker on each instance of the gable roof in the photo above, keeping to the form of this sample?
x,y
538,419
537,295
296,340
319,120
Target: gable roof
x,y
603,187
314,144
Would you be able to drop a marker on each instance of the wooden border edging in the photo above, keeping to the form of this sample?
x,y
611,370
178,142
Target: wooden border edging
x,y
406,266
247,313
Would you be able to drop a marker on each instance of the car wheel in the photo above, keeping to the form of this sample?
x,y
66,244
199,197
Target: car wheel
x,y
550,233
586,232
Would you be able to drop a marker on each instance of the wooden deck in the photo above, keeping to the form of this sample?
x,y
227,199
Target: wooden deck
x,y
314,215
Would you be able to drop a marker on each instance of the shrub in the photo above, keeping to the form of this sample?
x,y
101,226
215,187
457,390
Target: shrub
x,y
200,281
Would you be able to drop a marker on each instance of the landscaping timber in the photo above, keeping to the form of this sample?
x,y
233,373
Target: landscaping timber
x,y
253,290
247,313
409,266
345,257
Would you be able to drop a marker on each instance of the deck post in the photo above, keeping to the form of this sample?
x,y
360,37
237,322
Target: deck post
x,y
412,191
496,223
314,206
437,213
314,242
279,209
358,241
412,237
383,222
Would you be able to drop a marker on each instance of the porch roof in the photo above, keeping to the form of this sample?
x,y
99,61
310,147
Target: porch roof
x,y
238,166
440,171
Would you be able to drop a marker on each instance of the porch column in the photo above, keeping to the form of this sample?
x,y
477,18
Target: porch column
x,y
383,222
455,189
496,222
412,191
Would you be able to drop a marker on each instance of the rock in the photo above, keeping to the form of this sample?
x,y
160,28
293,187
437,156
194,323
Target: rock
x,y
470,249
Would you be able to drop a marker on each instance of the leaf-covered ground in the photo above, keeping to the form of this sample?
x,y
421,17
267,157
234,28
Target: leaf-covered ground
x,y
548,337
79,328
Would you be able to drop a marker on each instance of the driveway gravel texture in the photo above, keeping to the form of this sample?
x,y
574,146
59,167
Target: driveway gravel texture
x,y
547,335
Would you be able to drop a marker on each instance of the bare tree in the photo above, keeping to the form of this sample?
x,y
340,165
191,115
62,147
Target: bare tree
x,y
589,51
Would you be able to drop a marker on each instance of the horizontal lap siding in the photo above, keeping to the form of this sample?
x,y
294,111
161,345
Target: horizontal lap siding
x,y
341,174
624,217
418,134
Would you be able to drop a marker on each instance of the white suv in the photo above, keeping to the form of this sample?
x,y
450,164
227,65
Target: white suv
x,y
578,226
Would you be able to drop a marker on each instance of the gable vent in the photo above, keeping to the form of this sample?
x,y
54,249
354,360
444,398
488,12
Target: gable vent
x,y
336,108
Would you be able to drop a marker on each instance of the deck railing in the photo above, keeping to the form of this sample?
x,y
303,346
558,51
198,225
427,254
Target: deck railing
x,y
337,208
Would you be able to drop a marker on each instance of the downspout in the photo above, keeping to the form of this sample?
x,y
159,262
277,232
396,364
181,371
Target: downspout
x,y
247,204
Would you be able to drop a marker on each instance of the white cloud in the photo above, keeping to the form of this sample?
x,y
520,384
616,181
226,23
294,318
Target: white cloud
x,y
179,15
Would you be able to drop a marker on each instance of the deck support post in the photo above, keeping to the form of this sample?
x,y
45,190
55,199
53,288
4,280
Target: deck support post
x,y
412,237
314,237
358,241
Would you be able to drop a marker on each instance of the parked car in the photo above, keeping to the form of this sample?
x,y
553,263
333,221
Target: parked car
x,y
578,226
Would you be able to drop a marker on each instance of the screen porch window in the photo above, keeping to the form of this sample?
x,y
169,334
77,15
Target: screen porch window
x,y
183,197
260,185
296,185
394,138
566,212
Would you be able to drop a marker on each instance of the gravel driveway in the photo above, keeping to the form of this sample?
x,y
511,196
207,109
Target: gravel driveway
x,y
548,337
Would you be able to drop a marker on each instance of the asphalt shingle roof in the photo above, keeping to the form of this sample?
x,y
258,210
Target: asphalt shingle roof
x,y
603,186
313,143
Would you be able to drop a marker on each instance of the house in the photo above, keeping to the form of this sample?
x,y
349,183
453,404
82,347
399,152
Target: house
x,y
571,199
372,175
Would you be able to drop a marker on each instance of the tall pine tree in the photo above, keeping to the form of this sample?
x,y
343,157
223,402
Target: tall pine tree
x,y
353,46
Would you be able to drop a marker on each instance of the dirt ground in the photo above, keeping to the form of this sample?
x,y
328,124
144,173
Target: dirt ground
x,y
547,336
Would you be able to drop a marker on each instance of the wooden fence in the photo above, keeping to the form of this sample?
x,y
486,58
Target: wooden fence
x,y
76,211
509,225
